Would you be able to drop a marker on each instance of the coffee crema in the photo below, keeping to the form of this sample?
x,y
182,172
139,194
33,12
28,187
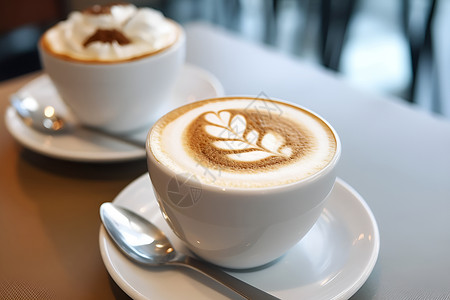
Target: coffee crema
x,y
111,34
243,142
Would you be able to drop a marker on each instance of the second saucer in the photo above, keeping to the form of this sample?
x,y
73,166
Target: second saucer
x,y
193,84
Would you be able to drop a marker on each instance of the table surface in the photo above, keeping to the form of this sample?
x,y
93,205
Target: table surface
x,y
395,156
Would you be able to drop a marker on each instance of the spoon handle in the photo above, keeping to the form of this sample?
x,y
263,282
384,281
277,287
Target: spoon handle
x,y
240,287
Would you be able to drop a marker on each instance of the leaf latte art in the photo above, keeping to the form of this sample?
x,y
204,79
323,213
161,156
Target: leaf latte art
x,y
245,145
243,142
246,139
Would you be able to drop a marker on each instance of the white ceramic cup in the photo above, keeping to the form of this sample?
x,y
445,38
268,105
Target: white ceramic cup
x,y
242,227
117,97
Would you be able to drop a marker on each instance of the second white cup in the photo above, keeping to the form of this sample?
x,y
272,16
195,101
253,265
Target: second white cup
x,y
117,97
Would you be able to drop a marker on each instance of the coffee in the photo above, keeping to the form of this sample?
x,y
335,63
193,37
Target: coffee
x,y
241,180
243,142
110,34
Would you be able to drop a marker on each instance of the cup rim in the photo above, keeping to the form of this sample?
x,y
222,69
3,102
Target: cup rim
x,y
179,41
266,189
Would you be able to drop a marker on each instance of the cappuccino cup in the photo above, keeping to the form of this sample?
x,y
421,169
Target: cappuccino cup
x,y
114,66
241,180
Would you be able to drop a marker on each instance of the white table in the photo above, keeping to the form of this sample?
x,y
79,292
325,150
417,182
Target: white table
x,y
395,156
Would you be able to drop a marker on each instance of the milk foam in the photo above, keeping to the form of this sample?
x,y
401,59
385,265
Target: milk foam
x,y
169,147
147,29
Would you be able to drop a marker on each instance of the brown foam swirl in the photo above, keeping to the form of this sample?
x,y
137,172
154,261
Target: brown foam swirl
x,y
247,140
107,36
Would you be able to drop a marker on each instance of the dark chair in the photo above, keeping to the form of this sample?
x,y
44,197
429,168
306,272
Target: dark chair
x,y
21,24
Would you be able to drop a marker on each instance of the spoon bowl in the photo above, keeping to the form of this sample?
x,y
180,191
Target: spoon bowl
x,y
144,243
44,119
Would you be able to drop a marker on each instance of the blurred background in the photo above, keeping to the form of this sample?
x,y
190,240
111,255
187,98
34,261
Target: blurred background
x,y
393,47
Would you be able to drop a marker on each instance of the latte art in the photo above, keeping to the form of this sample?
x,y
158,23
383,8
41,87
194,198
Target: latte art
x,y
232,142
241,140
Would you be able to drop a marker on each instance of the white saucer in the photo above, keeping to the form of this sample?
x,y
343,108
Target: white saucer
x,y
332,262
193,84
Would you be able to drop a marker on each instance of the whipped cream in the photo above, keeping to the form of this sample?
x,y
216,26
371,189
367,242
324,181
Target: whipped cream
x,y
147,30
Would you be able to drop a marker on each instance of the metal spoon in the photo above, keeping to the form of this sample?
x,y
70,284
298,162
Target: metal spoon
x,y
144,243
41,118
47,120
